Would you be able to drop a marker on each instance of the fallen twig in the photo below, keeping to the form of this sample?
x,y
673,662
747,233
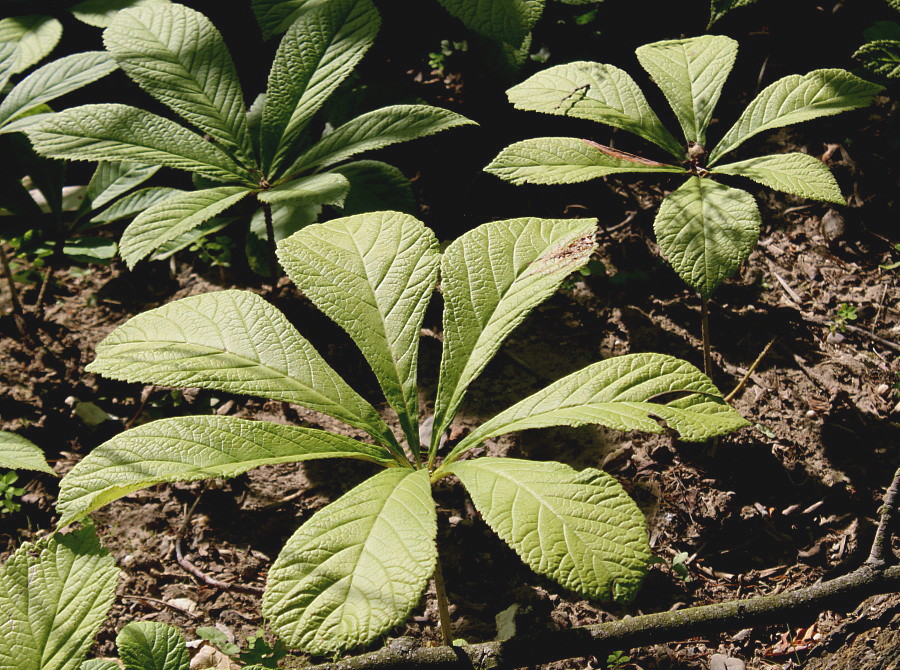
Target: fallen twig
x,y
822,321
187,613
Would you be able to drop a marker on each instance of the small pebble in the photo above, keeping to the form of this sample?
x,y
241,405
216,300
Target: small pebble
x,y
833,225
723,662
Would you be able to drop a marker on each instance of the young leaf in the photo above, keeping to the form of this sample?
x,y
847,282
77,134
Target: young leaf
x,y
330,188
578,528
148,645
17,453
54,596
111,180
373,274
260,353
54,80
797,98
706,230
377,129
357,567
881,57
507,21
691,74
100,13
794,173
34,35
566,160
174,216
178,56
118,133
622,393
596,92
191,448
491,278
318,52
376,186
134,203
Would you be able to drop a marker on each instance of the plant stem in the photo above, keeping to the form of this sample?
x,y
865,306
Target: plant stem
x,y
443,607
704,326
882,543
270,239
18,312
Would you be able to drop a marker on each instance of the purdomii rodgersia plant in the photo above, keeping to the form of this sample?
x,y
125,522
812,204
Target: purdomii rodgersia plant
x,y
705,229
176,55
358,566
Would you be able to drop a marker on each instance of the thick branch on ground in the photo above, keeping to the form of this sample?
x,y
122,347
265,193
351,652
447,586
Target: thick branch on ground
x,y
600,639
881,545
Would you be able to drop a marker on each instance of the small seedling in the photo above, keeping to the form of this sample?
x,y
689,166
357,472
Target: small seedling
x,y
358,566
679,566
436,59
844,313
617,660
9,493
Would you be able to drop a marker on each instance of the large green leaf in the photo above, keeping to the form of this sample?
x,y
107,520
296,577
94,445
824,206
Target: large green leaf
x,y
706,230
111,180
507,21
54,596
276,16
176,54
566,160
232,341
134,203
797,98
376,186
579,528
881,57
17,453
318,52
100,664
373,274
794,173
8,58
357,567
34,35
191,448
192,237
100,13
119,133
491,278
377,129
174,216
330,188
596,92
54,80
691,74
624,393
148,645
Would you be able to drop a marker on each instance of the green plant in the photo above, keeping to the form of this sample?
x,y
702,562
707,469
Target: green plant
x,y
618,660
9,493
436,59
358,566
719,8
705,229
881,52
258,652
176,55
844,313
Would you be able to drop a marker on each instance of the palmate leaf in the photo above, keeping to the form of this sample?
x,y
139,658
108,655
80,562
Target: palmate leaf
x,y
318,52
794,173
797,98
148,645
183,344
356,567
373,274
624,393
330,188
34,35
706,230
691,73
54,596
491,278
174,216
54,80
566,160
111,180
507,21
881,57
578,528
376,186
17,453
192,448
117,133
596,92
100,13
377,129
134,203
179,57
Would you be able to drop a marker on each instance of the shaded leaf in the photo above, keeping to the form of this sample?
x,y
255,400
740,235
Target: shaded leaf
x,y
100,13
881,57
376,186
319,189
35,37
507,21
134,203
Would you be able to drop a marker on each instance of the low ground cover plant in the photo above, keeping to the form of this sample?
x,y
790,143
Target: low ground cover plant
x,y
271,153
357,567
